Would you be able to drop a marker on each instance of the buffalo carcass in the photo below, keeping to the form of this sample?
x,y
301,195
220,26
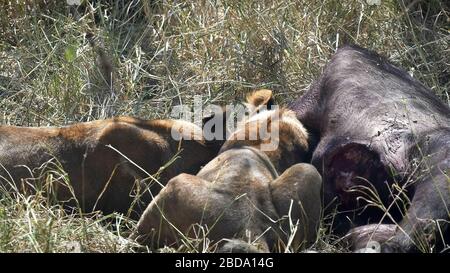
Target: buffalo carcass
x,y
383,147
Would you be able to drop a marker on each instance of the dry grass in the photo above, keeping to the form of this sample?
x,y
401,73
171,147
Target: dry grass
x,y
150,55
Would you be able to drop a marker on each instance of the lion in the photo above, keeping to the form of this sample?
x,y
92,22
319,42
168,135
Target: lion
x,y
249,192
108,165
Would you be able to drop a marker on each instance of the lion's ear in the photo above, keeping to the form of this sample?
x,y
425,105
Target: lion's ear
x,y
260,97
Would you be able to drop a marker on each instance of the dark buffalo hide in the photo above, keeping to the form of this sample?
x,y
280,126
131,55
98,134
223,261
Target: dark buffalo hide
x,y
382,146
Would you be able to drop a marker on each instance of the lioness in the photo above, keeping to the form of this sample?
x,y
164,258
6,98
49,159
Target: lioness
x,y
240,192
105,160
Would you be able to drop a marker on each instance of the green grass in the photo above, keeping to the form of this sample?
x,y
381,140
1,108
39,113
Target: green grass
x,y
150,55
